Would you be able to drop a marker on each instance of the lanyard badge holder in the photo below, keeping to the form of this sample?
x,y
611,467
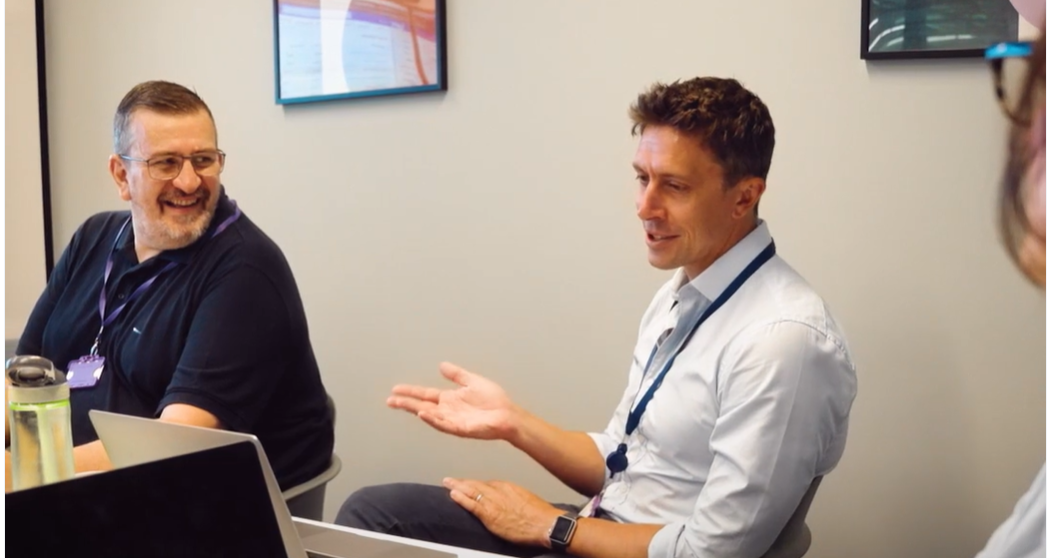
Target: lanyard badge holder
x,y
86,371
617,461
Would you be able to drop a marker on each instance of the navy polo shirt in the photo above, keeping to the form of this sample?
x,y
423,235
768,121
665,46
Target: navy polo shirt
x,y
223,330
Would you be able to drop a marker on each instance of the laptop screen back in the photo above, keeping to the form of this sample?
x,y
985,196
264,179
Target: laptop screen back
x,y
209,503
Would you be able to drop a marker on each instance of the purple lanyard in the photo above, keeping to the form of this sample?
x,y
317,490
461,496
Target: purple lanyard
x,y
144,286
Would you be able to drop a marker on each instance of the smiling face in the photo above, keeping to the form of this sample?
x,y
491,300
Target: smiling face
x,y
173,213
689,217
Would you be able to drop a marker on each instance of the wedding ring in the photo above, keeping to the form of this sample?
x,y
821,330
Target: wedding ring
x,y
479,497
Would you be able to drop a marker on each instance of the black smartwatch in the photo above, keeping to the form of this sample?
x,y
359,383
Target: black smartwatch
x,y
562,531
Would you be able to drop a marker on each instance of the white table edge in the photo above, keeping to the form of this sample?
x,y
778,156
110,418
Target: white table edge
x,y
460,552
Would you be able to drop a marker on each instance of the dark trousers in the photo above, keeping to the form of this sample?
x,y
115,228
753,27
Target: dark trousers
x,y
428,513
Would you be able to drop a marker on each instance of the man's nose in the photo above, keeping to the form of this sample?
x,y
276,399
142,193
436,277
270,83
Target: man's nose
x,y
187,180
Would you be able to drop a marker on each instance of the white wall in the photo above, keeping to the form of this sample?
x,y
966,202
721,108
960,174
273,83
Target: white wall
x,y
493,226
23,209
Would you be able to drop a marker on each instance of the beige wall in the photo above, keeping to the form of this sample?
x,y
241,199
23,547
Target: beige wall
x,y
493,226
23,209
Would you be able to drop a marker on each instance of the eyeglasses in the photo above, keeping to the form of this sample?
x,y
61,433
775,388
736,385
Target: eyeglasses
x,y
167,167
1010,66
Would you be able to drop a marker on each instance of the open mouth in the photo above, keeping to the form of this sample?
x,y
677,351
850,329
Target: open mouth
x,y
182,204
654,238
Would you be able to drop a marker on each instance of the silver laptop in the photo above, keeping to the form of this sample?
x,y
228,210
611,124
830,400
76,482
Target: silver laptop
x,y
133,441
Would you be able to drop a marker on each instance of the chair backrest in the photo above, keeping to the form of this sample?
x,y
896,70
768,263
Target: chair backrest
x,y
795,538
330,408
307,499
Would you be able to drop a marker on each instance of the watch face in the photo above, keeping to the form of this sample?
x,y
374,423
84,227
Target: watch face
x,y
563,529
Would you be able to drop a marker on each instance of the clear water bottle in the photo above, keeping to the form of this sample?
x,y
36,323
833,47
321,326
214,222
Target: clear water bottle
x,y
40,422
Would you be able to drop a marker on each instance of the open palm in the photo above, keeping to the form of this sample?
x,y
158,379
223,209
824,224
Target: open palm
x,y
476,408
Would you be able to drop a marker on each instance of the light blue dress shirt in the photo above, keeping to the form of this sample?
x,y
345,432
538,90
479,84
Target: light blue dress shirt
x,y
755,407
1022,535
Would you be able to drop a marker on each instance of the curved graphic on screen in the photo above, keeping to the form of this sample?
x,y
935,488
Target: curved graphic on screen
x,y
332,47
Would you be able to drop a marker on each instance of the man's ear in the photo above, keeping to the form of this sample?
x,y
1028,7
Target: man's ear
x,y
118,170
748,192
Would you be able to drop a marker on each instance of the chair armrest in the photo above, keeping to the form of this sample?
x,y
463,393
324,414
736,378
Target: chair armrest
x,y
319,480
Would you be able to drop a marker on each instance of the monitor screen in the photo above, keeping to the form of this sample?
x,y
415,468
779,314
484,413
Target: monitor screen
x,y
333,49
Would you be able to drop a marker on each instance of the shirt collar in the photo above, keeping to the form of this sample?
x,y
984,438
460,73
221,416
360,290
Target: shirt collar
x,y
711,283
223,210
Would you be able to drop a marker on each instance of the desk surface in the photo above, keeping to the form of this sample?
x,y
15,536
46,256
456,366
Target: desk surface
x,y
460,552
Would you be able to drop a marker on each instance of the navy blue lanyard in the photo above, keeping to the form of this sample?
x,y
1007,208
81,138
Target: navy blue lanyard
x,y
106,320
617,461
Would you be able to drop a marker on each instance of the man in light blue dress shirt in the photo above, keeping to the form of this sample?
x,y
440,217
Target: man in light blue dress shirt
x,y
738,393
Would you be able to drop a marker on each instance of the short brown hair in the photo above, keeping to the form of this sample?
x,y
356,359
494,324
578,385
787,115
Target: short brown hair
x,y
1013,219
159,96
732,122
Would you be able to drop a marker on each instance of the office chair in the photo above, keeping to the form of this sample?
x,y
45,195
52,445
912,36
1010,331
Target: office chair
x,y
306,500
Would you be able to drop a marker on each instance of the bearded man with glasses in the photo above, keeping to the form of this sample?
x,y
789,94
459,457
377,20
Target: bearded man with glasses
x,y
181,309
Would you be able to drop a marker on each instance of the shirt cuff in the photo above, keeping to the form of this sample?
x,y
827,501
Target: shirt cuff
x,y
664,542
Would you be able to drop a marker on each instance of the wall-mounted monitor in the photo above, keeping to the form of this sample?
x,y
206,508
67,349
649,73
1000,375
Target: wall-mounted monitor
x,y
339,49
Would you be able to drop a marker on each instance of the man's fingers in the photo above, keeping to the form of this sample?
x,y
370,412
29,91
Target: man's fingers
x,y
417,392
409,404
456,373
468,493
460,498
